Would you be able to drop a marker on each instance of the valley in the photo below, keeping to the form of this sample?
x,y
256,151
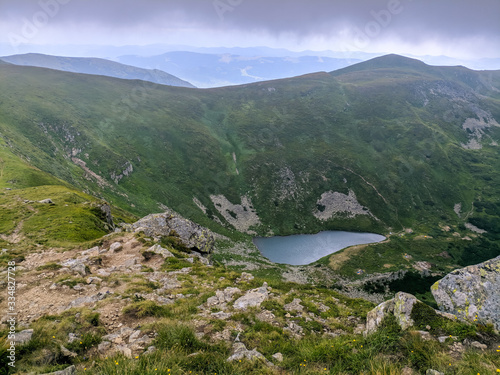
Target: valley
x,y
390,146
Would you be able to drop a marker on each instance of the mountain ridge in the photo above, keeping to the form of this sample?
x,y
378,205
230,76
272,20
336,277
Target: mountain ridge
x,y
96,66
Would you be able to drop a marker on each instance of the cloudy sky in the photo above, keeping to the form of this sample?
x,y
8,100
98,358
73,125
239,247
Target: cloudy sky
x,y
458,28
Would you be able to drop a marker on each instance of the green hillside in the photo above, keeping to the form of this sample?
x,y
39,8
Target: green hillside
x,y
379,146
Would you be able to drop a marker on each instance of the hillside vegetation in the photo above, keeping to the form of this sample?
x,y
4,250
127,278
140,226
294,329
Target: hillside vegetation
x,y
381,146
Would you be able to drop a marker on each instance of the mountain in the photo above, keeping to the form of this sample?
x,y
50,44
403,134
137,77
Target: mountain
x,y
97,67
224,69
388,145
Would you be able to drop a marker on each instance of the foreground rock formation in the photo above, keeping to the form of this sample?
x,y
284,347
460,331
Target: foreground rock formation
x,y
193,236
472,293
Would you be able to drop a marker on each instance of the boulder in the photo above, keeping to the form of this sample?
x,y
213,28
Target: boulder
x,y
23,337
252,298
278,357
46,201
67,371
472,293
241,352
294,306
191,235
115,247
157,249
400,306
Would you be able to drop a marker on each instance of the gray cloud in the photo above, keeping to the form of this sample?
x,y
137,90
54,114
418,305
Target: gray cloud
x,y
413,21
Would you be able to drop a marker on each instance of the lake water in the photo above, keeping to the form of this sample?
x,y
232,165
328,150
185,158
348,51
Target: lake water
x,y
307,248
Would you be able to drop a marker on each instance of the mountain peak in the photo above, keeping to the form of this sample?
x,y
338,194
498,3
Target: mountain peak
x,y
391,61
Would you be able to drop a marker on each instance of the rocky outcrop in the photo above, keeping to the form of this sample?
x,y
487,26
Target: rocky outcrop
x,y
252,298
67,371
400,306
472,293
191,235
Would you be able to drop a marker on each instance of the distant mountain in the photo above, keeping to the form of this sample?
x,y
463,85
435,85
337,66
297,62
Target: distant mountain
x,y
96,66
215,70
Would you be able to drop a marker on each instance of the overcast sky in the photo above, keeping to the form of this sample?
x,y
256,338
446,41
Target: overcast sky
x,y
456,28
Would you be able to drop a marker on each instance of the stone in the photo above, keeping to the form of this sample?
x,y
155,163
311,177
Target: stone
x,y
134,336
241,352
125,350
278,357
106,210
71,370
433,372
400,306
82,301
94,280
131,262
294,306
472,293
72,337
80,269
91,252
221,315
478,345
157,249
46,201
403,306
374,317
246,277
23,337
191,235
67,353
252,298
150,350
103,347
115,247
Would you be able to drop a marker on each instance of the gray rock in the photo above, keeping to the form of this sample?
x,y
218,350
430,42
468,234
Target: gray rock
x,y
221,315
72,337
191,235
246,277
103,347
374,317
82,301
401,306
252,298
150,350
91,252
71,370
278,357
106,210
157,249
472,293
134,336
46,201
478,345
433,372
115,247
23,337
94,280
67,353
241,352
294,306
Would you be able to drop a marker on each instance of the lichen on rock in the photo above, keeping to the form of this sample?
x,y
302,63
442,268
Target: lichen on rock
x,y
472,293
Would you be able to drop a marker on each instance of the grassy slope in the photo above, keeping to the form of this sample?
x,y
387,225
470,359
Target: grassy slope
x,y
73,219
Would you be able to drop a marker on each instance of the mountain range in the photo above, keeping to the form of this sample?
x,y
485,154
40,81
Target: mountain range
x,y
243,66
95,66
390,145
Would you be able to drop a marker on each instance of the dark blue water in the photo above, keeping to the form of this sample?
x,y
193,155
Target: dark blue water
x,y
307,248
